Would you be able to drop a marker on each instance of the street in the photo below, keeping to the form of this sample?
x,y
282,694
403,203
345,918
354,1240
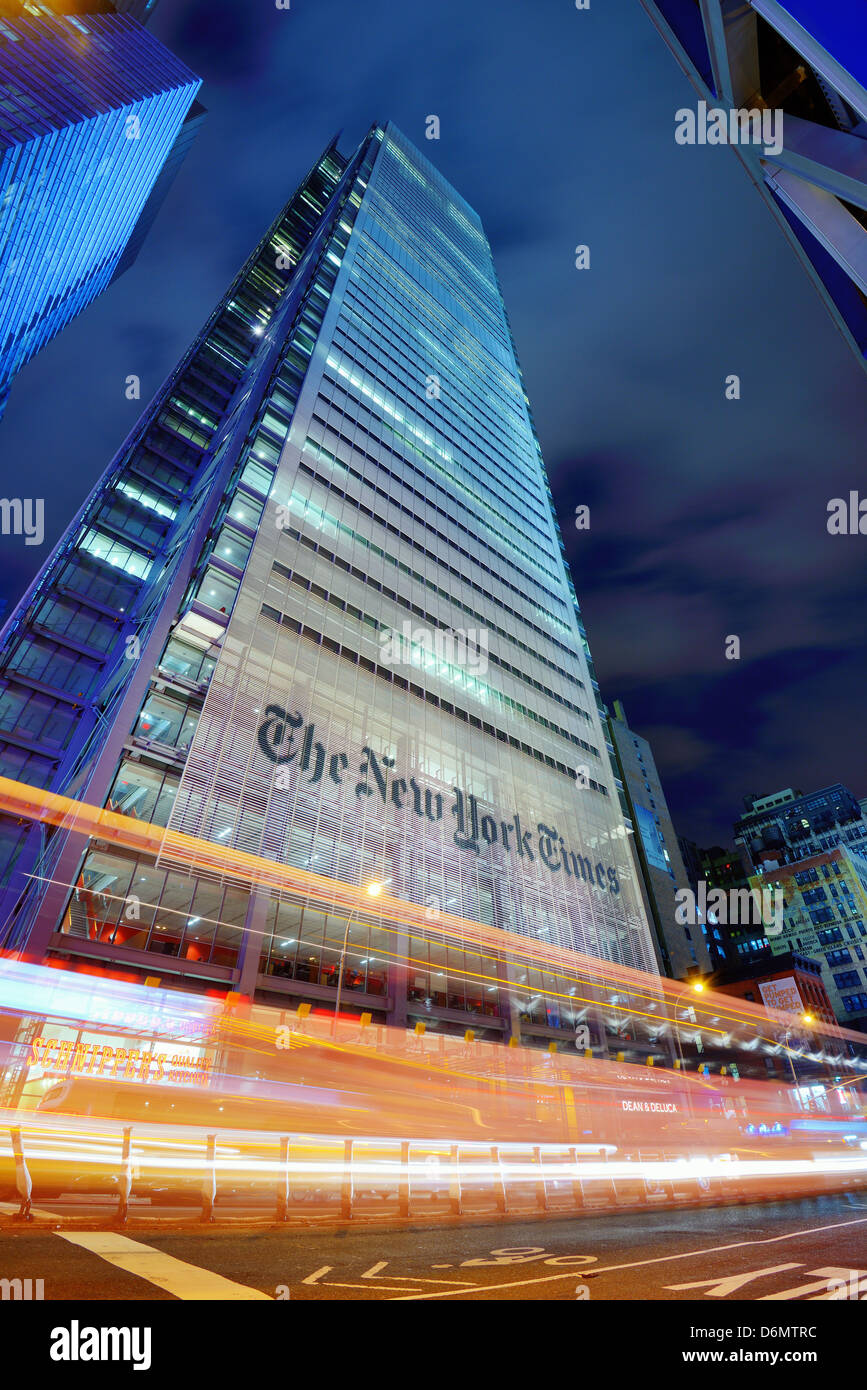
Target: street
x,y
764,1252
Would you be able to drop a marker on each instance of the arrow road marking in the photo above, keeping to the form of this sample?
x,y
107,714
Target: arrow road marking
x,y
721,1288
656,1260
843,1275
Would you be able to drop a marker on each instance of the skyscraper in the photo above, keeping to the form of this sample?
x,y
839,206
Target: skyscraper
x,y
806,59
95,118
318,609
683,948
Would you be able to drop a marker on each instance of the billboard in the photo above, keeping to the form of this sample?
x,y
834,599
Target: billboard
x,y
782,994
654,845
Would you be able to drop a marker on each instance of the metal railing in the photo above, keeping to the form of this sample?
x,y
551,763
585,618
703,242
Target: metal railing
x,y
327,1178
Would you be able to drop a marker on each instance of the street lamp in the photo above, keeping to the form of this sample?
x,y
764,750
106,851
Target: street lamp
x,y
696,987
805,1018
374,888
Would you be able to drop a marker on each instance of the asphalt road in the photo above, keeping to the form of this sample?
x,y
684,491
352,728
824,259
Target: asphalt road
x,y
766,1252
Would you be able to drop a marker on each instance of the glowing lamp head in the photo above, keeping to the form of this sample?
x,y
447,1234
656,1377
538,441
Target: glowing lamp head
x,y
806,1018
698,987
374,889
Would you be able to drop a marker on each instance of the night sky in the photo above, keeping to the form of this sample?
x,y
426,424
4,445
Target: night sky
x,y
708,517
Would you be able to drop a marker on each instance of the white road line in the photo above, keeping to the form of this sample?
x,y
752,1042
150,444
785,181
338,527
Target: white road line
x,y
184,1280
371,1288
638,1264
412,1279
317,1274
373,1273
13,1209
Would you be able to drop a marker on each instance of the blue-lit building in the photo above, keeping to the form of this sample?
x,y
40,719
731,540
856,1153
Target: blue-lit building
x,y
95,118
806,60
317,609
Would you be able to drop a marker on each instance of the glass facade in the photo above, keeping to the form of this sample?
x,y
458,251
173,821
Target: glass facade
x,y
91,114
357,649
806,62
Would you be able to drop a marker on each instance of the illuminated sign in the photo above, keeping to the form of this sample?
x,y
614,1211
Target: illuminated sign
x,y
781,994
645,1080
41,990
95,1059
654,1107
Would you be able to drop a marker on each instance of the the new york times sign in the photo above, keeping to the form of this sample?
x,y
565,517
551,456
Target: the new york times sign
x,y
285,739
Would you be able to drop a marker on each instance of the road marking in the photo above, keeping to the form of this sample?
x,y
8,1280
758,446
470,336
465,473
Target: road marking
x,y
657,1259
367,1287
413,1279
317,1274
13,1209
184,1280
720,1288
516,1255
373,1273
829,1274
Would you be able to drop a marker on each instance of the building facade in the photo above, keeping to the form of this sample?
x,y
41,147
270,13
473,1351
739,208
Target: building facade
x,y
682,948
788,825
825,918
788,981
691,856
804,63
318,609
93,126
730,943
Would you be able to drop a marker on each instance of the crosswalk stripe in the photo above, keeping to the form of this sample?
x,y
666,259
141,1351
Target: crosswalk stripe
x,y
184,1280
13,1208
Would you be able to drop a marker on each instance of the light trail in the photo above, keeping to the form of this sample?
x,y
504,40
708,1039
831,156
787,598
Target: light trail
x,y
651,1000
378,1109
